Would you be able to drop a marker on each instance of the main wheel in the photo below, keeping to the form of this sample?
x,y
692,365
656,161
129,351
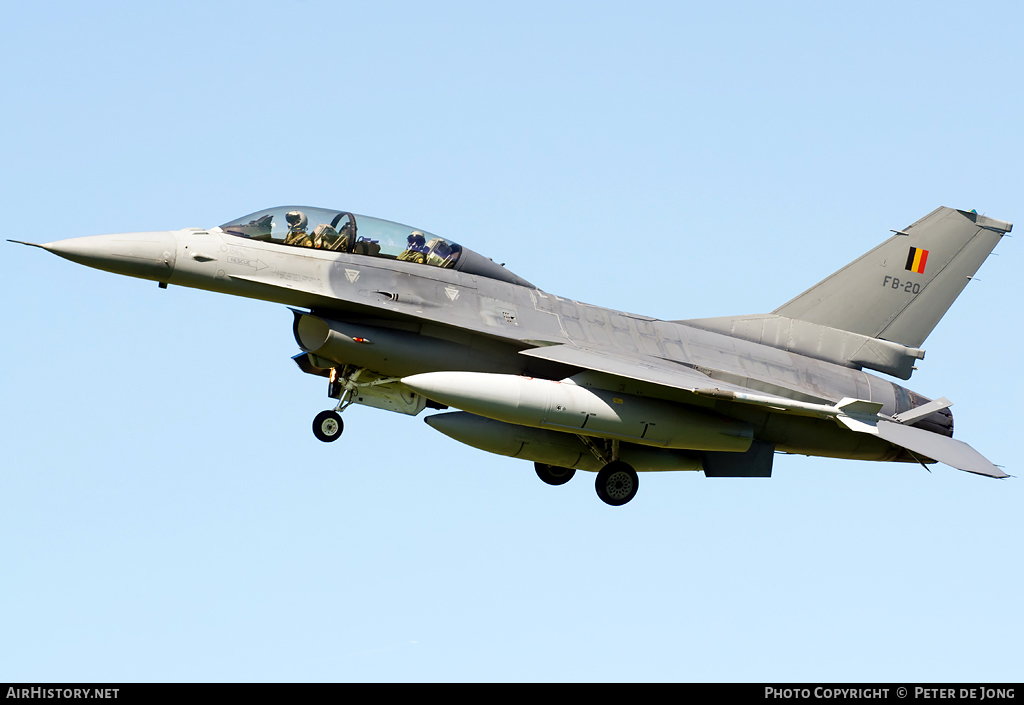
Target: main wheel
x,y
617,483
327,426
552,474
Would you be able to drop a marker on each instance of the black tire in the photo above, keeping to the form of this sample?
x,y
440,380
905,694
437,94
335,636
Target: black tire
x,y
553,474
327,426
617,483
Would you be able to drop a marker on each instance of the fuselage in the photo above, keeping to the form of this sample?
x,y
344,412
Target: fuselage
x,y
444,319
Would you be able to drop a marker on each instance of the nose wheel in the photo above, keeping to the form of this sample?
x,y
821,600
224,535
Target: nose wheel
x,y
327,426
617,483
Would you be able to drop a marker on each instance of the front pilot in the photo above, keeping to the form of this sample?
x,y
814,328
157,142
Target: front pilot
x,y
297,234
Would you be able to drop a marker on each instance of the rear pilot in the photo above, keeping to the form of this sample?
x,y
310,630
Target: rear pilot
x,y
416,248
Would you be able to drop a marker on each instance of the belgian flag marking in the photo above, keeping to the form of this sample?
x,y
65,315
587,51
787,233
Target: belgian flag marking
x,y
916,260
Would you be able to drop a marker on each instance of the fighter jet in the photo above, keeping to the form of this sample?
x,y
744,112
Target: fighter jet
x,y
397,318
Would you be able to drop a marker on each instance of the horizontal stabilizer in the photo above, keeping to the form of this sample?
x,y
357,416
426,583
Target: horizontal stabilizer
x,y
862,417
946,450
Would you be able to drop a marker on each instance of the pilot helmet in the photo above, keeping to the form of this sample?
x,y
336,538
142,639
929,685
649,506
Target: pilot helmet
x,y
296,220
417,238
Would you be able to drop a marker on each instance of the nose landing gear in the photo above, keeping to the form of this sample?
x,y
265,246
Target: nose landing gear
x,y
344,385
327,425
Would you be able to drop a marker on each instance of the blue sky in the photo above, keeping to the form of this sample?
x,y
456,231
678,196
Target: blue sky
x,y
169,516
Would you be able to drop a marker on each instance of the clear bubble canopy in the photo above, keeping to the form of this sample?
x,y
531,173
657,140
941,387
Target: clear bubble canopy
x,y
344,232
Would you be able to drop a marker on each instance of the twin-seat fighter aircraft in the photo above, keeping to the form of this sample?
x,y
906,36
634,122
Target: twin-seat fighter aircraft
x,y
397,318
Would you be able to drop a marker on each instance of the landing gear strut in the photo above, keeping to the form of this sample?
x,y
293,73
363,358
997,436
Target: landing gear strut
x,y
327,426
617,482
357,385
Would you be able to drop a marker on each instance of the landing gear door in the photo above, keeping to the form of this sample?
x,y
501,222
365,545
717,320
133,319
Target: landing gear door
x,y
391,397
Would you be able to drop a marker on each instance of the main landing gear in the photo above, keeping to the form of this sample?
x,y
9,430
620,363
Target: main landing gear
x,y
552,474
617,482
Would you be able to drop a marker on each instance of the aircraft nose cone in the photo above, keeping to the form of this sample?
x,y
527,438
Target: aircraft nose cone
x,y
146,255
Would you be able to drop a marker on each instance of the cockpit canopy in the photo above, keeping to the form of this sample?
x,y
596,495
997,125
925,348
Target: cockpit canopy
x,y
341,231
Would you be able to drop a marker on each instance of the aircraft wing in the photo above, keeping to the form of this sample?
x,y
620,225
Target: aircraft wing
x,y
858,415
668,373
644,368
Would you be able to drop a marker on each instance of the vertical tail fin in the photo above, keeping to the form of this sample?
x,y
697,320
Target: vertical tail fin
x,y
899,290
